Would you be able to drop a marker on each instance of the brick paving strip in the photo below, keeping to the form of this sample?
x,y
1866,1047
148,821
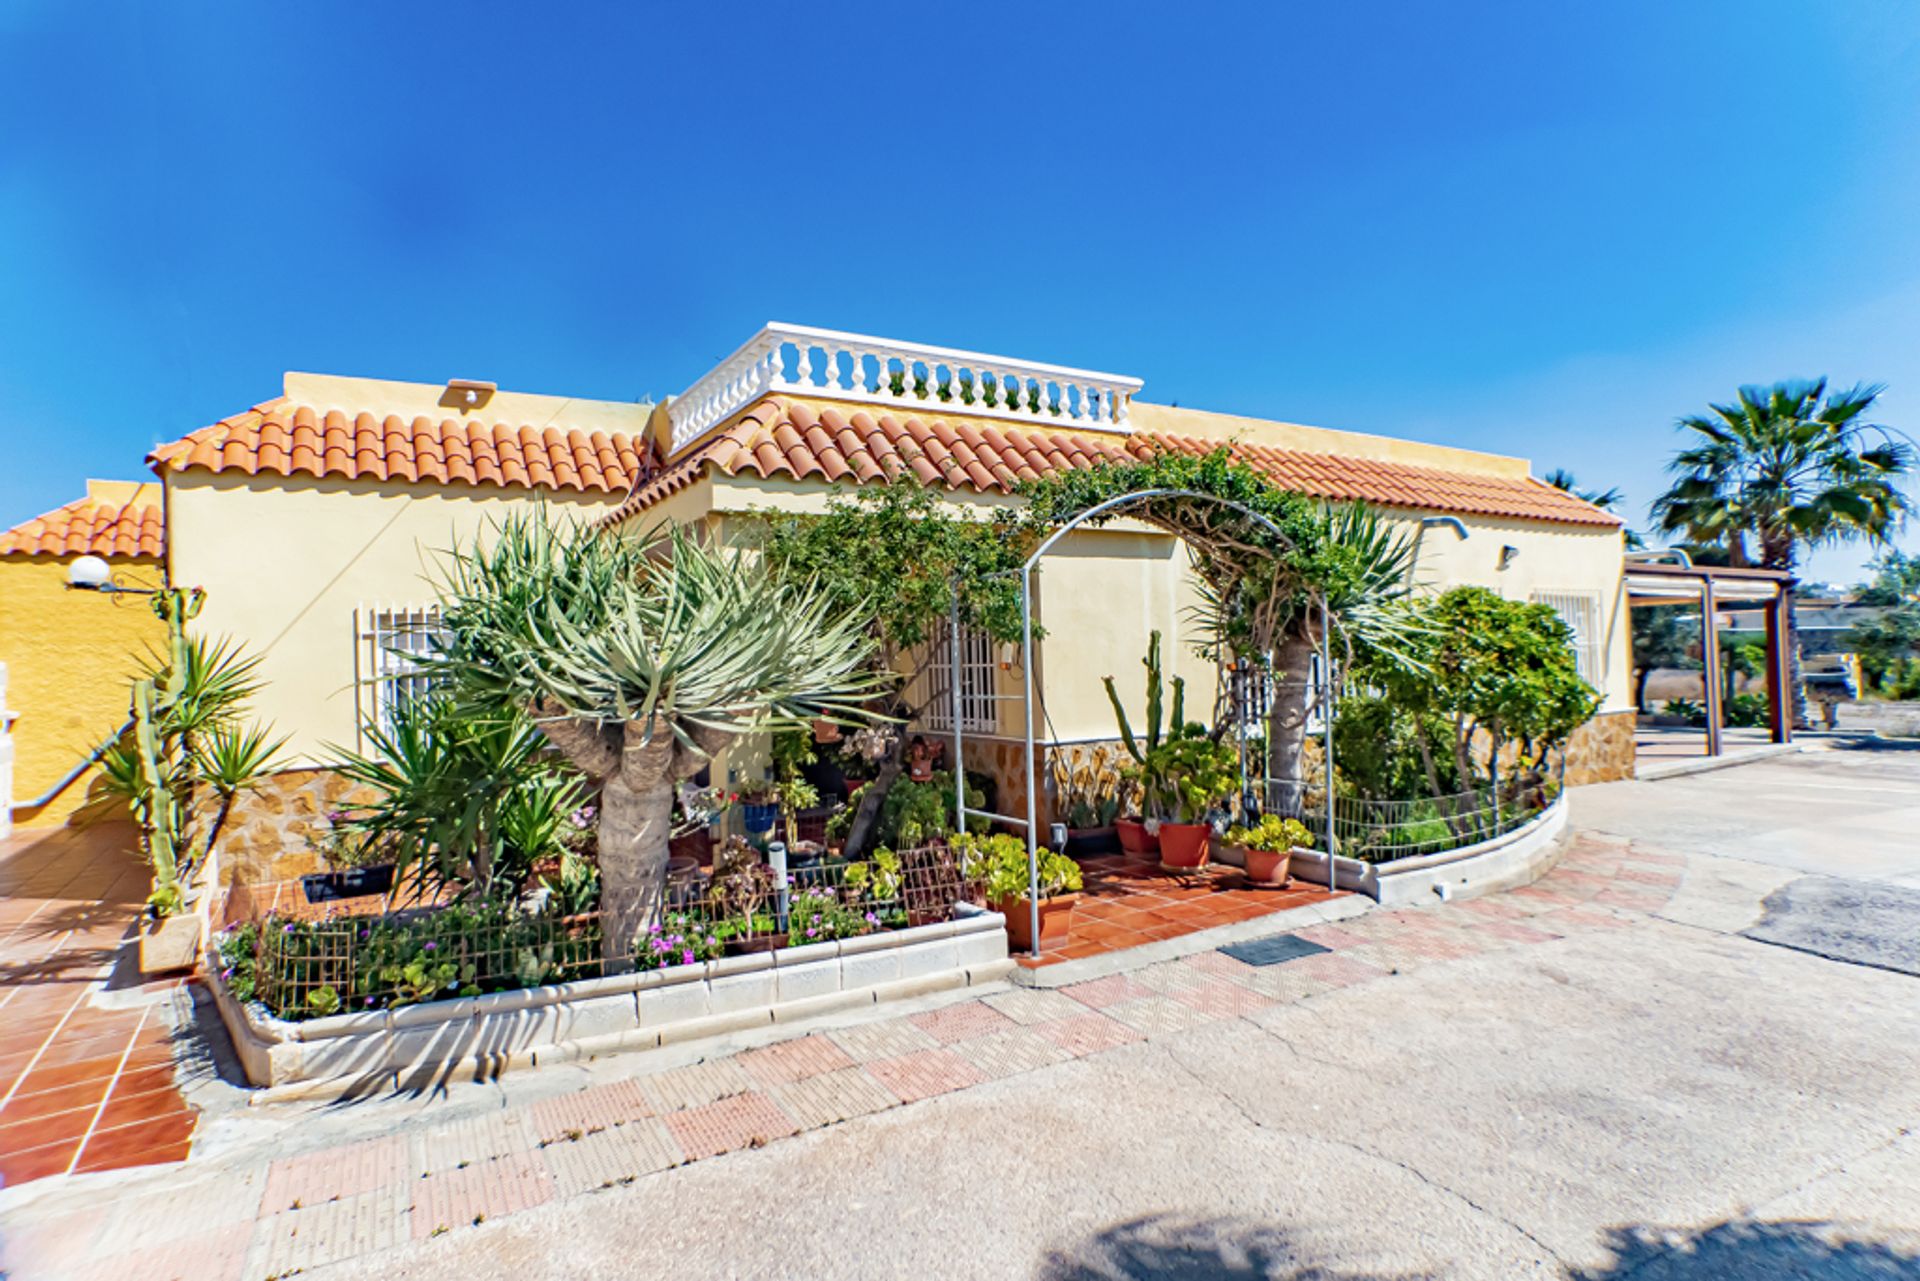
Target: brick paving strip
x,y
306,1210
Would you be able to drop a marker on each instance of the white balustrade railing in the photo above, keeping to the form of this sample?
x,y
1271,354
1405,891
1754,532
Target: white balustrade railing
x,y
820,362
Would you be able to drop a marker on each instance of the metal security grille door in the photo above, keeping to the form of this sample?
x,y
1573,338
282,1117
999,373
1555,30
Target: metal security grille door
x,y
391,642
1580,611
976,676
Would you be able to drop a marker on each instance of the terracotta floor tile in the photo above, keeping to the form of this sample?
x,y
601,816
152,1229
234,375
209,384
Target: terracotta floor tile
x,y
69,1126
59,1075
107,1147
79,1094
141,1080
34,1163
65,1049
131,1109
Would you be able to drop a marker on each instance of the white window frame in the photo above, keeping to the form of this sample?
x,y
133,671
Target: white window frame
x,y
1580,611
979,683
389,641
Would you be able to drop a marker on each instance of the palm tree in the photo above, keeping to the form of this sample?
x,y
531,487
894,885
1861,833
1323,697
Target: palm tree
x,y
1606,500
640,660
1784,468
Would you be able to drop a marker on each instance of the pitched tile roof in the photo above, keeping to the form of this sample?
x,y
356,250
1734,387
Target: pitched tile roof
x,y
88,528
796,439
284,439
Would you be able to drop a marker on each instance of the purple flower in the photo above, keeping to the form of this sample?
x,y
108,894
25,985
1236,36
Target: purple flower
x,y
287,928
431,946
686,957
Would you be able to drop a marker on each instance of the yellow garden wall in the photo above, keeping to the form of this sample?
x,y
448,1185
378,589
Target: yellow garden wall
x,y
69,657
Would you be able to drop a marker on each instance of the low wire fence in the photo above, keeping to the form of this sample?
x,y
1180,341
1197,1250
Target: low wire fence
x,y
1379,831
303,968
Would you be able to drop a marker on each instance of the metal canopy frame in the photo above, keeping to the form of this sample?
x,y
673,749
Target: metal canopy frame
x,y
1653,581
1030,823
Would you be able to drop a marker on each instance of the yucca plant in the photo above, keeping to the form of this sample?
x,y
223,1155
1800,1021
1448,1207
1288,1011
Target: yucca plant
x,y
465,798
639,659
185,739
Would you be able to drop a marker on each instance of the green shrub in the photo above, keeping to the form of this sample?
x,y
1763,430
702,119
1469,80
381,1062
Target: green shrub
x,y
1271,833
1000,861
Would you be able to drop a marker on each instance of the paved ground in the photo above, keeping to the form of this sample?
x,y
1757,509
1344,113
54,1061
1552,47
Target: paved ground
x,y
86,1060
1845,807
1595,1076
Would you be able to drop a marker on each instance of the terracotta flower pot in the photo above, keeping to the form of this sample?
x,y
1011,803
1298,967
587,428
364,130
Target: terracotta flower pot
x,y
1268,867
1183,846
1056,918
1134,836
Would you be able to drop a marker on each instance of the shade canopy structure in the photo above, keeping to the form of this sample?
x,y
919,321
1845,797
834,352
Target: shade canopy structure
x,y
1669,578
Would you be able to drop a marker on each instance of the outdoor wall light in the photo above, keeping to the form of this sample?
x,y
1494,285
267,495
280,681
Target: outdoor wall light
x,y
1508,554
467,393
92,574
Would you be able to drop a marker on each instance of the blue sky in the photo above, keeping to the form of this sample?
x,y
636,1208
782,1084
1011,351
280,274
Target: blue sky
x,y
1541,229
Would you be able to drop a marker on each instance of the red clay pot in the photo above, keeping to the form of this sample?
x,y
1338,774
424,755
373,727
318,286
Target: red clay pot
x,y
1056,918
1268,867
1134,836
1183,846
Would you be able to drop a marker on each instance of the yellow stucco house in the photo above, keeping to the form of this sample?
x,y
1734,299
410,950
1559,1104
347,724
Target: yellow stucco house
x,y
315,521
796,414
68,656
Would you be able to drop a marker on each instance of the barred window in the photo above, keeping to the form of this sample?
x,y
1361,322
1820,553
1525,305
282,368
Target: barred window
x,y
392,640
1580,611
978,711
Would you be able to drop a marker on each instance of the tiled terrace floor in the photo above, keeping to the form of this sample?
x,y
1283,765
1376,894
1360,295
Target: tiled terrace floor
x,y
1129,901
84,1085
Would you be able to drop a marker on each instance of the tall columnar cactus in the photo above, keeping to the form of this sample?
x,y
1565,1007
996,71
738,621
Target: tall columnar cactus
x,y
184,734
1155,687
1155,790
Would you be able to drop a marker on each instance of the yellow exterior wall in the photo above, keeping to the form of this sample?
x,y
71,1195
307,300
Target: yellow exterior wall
x,y
286,561
69,657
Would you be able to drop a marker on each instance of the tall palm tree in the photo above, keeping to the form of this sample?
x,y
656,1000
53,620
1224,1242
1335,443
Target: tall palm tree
x,y
1782,469
640,659
1608,500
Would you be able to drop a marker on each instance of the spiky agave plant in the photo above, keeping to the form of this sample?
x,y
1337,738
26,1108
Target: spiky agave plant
x,y
640,659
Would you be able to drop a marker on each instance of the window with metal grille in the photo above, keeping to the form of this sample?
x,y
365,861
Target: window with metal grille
x,y
978,711
1580,611
392,640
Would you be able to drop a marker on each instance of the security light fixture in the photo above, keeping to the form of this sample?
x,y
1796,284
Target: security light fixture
x,y
467,393
1508,554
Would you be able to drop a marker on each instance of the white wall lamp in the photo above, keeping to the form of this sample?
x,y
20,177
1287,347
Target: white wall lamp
x,y
92,574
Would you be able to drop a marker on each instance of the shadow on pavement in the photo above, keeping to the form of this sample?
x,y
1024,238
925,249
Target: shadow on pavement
x,y
1749,1251
1180,1248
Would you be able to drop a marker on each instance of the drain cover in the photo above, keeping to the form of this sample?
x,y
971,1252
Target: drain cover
x,y
1274,950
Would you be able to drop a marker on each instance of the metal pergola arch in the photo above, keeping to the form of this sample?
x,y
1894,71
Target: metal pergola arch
x,y
1030,823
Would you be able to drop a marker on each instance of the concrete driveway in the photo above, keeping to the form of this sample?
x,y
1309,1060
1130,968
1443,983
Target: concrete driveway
x,y
1846,807
1598,1076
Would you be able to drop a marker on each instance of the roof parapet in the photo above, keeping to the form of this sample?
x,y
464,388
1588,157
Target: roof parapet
x,y
825,363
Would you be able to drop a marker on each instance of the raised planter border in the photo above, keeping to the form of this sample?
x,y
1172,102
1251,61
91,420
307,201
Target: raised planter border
x,y
418,1046
1513,859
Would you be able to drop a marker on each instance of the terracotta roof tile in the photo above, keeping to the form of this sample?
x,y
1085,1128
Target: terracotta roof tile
x,y
782,437
283,439
87,528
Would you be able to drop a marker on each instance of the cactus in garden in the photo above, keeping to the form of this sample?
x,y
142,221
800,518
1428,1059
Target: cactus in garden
x,y
1154,704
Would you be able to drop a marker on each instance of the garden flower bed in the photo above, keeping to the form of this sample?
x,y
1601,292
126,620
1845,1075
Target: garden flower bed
x,y
402,999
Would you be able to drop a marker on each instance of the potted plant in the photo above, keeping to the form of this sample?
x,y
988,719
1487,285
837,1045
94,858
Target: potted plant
x,y
1000,862
1088,793
1267,847
759,807
1138,831
1191,775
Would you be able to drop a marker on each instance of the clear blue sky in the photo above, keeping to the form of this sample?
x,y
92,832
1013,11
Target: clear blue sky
x,y
1544,229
